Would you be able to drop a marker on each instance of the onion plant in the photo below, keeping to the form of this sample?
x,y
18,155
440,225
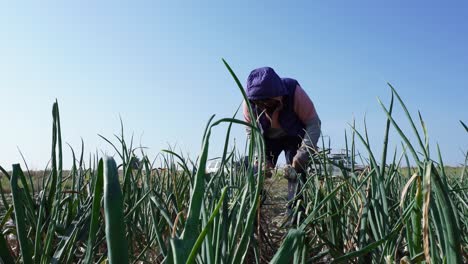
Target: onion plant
x,y
133,209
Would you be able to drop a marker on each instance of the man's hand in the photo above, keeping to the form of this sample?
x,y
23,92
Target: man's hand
x,y
290,173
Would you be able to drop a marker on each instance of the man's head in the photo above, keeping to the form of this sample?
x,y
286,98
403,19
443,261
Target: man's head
x,y
263,83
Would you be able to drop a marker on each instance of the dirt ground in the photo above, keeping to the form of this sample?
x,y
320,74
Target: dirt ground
x,y
273,216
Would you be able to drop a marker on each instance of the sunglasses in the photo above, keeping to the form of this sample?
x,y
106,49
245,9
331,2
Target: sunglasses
x,y
268,104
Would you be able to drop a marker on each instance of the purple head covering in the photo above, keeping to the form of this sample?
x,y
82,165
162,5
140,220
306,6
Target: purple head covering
x,y
264,83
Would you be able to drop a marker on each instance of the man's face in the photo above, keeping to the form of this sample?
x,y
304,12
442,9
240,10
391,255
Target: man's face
x,y
269,105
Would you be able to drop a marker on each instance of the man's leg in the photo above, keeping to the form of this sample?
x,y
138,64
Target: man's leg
x,y
290,149
273,148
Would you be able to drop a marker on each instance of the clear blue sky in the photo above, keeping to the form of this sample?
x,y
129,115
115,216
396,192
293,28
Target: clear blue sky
x,y
158,65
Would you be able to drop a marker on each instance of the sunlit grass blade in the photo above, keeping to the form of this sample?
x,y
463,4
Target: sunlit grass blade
x,y
113,214
202,235
385,143
402,135
290,245
18,203
95,213
408,115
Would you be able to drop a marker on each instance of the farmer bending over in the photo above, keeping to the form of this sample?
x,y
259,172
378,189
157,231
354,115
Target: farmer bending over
x,y
287,119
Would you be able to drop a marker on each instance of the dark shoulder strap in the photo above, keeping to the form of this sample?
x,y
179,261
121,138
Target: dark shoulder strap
x,y
291,85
